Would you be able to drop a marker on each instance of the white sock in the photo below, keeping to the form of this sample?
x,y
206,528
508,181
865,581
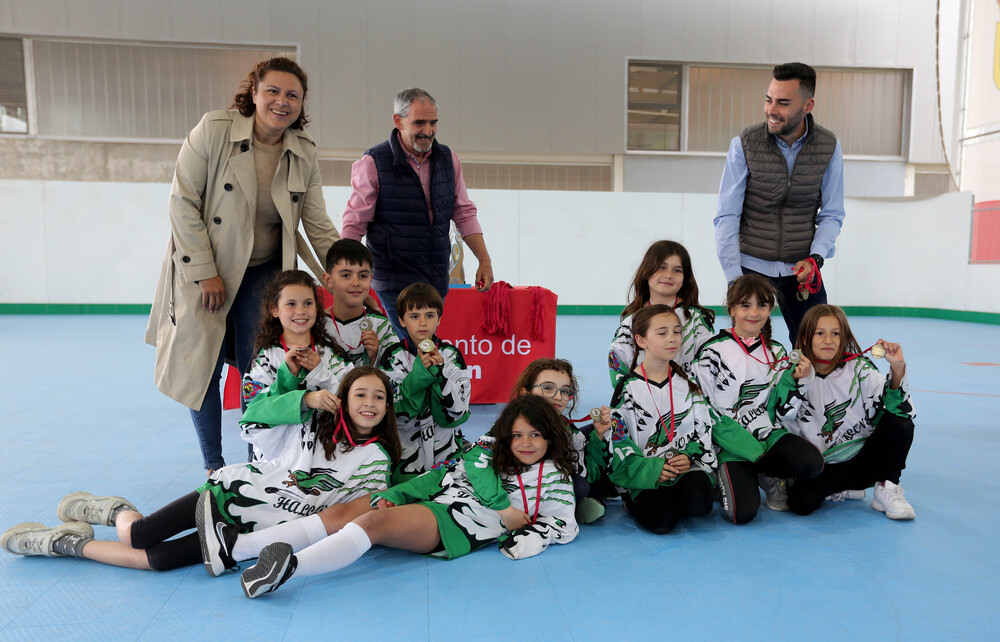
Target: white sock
x,y
298,532
341,549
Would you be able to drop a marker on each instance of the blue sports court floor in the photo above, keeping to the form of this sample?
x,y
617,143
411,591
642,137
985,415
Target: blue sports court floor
x,y
78,411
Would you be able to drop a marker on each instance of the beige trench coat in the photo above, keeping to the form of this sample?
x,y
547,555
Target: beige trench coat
x,y
213,201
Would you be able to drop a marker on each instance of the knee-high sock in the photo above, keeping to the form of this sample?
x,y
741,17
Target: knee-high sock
x,y
298,532
341,549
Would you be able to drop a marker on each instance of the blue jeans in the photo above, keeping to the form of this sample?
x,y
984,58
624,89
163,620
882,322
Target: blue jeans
x,y
791,308
242,324
388,299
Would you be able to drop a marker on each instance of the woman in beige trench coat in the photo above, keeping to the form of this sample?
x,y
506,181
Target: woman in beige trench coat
x,y
230,233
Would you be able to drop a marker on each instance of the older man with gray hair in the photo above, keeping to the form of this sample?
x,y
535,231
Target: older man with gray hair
x,y
405,193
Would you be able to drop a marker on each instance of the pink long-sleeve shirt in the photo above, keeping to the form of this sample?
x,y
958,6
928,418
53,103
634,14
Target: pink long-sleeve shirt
x,y
360,208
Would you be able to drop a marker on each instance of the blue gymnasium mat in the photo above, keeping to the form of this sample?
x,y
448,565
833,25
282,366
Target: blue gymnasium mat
x,y
79,411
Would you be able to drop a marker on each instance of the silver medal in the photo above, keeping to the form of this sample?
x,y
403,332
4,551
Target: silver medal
x,y
802,295
794,357
595,414
426,345
878,350
365,324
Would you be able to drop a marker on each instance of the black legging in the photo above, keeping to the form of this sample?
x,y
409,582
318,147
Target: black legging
x,y
658,509
152,532
881,458
791,457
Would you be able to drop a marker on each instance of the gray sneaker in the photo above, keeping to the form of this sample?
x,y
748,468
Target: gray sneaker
x,y
273,568
84,507
32,538
776,491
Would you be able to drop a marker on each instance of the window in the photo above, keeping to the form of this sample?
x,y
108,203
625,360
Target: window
x,y
13,95
654,106
127,90
721,101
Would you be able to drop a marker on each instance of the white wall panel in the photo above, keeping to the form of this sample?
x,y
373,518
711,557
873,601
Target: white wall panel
x,y
197,20
38,17
85,16
67,242
139,19
341,107
749,20
483,72
241,21
793,24
393,52
573,85
530,101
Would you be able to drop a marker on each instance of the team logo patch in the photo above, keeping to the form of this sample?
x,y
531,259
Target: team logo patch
x,y
250,390
613,362
618,428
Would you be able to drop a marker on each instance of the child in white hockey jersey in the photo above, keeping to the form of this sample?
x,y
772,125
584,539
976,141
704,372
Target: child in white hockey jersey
x,y
553,379
363,333
433,388
666,277
294,374
441,514
748,377
359,442
860,420
663,429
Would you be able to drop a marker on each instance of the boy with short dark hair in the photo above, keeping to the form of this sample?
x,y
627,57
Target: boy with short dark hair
x,y
363,332
432,385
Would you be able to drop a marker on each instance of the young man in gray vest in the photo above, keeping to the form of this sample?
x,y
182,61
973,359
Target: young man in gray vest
x,y
781,201
405,193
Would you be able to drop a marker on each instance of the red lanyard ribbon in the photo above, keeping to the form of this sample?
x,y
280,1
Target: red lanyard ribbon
x,y
770,364
670,387
336,326
342,426
538,496
848,357
815,279
312,344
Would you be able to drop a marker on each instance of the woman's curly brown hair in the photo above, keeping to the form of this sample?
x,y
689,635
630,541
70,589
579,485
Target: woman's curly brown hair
x,y
243,100
386,431
540,414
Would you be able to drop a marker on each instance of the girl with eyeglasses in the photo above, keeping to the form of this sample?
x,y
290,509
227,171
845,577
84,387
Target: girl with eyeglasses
x,y
553,379
662,429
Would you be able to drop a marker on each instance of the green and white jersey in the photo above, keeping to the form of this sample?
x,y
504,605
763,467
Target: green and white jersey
x,y
640,430
842,408
270,388
430,405
695,332
347,334
741,385
290,476
467,524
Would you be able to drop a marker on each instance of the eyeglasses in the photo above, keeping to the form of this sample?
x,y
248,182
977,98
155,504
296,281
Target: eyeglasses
x,y
550,389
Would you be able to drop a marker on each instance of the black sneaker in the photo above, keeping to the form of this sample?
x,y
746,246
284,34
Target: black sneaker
x,y
274,566
217,536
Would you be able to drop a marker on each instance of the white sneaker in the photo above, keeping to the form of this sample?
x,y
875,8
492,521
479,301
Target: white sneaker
x,y
32,538
84,507
888,498
776,492
846,494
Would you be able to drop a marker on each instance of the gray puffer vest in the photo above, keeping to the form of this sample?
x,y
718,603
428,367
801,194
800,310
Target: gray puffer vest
x,y
779,210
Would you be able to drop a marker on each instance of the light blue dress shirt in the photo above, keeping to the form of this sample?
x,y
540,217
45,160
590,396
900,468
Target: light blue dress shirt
x,y
727,216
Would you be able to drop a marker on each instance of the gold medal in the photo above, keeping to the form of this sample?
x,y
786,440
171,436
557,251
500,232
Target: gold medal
x,y
365,324
794,357
426,345
878,350
595,414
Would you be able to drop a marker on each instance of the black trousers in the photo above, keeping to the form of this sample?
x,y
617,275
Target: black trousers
x,y
882,458
153,531
792,310
658,509
791,457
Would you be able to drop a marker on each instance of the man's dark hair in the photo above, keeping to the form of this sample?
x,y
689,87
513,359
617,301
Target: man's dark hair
x,y
800,71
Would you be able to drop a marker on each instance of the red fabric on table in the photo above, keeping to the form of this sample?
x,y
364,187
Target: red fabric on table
x,y
496,361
